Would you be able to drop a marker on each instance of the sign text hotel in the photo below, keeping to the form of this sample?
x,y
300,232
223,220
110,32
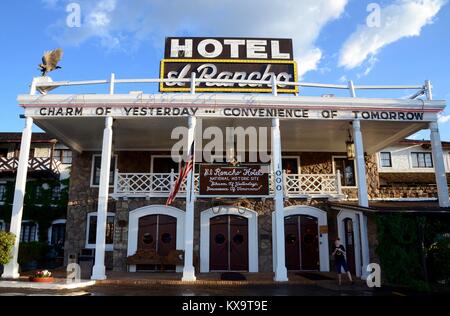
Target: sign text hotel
x,y
228,58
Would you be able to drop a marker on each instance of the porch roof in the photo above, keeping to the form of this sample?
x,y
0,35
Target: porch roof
x,y
153,132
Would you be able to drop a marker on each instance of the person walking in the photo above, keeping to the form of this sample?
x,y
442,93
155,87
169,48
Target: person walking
x,y
340,261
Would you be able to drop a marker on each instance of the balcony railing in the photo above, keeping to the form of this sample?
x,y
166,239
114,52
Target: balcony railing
x,y
160,185
45,164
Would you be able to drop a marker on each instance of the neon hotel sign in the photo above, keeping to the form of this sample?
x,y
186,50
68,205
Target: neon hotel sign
x,y
228,58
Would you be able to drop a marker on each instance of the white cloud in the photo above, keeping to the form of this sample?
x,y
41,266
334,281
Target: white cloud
x,y
442,118
124,24
403,18
370,65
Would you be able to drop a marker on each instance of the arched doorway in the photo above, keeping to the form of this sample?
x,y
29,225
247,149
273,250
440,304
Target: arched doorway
x,y
302,242
306,244
349,244
157,233
155,227
228,243
348,232
229,239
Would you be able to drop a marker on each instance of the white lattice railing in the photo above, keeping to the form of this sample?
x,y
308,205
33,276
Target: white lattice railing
x,y
160,184
306,184
156,184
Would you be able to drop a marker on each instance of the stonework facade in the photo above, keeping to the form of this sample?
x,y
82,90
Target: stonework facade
x,y
83,200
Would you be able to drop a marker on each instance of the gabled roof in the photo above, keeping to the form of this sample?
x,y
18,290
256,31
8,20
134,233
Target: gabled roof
x,y
421,142
35,138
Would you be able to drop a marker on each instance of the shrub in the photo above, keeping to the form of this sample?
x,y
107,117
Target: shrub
x,y
6,246
440,260
32,251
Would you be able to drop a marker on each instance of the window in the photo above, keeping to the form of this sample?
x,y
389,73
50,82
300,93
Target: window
x,y
92,231
96,165
347,169
164,164
63,155
421,160
56,193
290,165
2,226
2,192
29,232
38,192
57,233
3,152
386,161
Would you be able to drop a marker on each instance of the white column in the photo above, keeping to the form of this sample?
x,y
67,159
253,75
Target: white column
x,y
280,270
362,219
439,167
229,143
11,270
189,270
363,198
98,271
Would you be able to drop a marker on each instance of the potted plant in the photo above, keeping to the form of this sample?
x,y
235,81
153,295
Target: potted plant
x,y
43,276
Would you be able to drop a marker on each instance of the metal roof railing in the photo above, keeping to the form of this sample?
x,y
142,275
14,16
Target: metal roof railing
x,y
45,87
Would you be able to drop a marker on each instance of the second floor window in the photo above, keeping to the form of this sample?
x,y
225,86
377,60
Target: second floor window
x,y
386,160
422,160
347,169
96,166
3,152
63,155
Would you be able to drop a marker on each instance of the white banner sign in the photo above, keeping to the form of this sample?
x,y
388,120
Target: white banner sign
x,y
234,112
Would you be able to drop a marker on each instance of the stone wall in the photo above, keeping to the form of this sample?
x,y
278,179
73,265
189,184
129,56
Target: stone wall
x,y
83,199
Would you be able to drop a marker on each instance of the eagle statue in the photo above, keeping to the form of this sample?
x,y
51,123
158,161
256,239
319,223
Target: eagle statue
x,y
50,61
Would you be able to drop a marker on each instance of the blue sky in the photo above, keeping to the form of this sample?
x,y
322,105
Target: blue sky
x,y
332,41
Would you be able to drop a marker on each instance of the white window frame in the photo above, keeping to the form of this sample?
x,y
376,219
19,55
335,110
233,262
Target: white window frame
x,y
381,162
108,247
61,155
50,229
36,233
293,157
354,168
92,170
161,156
411,152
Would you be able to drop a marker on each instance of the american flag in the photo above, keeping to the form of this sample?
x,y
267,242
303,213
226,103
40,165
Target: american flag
x,y
184,171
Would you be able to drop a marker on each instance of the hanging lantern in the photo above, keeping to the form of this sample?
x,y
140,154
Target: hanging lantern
x,y
350,146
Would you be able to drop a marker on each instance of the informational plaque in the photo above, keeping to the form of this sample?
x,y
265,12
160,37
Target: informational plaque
x,y
224,180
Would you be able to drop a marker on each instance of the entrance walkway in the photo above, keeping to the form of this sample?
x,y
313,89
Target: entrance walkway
x,y
210,279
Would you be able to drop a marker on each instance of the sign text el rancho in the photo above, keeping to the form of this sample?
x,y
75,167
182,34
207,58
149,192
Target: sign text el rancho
x,y
229,59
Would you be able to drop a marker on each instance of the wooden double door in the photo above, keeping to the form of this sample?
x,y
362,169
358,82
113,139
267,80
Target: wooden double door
x,y
157,233
228,243
301,242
